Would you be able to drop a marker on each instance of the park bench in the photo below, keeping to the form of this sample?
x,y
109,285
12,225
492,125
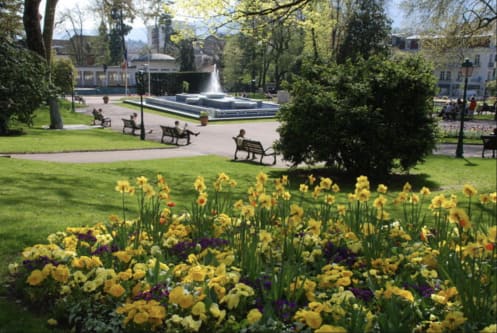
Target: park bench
x,y
172,132
104,121
489,143
128,123
254,147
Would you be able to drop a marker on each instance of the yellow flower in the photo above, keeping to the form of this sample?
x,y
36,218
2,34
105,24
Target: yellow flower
x,y
199,310
140,181
325,183
199,184
122,186
265,237
379,202
382,188
424,191
123,256
60,273
316,192
382,215
191,324
261,178
179,296
459,216
36,277
296,210
469,190
52,322
140,318
407,187
116,290
363,195
453,320
484,199
265,201
148,190
335,188
202,199
329,199
311,179
330,329
254,316
312,319
368,229
198,273
303,188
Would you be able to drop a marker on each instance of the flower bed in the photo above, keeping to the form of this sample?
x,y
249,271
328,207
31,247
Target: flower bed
x,y
471,131
275,261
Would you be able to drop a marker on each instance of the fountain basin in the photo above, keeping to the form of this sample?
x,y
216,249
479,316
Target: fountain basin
x,y
225,107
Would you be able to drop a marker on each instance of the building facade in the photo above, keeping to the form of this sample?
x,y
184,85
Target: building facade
x,y
481,51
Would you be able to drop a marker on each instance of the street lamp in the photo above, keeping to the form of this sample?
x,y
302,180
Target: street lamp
x,y
140,89
467,71
71,78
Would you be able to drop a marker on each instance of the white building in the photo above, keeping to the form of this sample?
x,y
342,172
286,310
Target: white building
x,y
482,53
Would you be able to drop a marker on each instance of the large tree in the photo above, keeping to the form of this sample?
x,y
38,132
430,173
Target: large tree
x,y
474,15
41,43
366,117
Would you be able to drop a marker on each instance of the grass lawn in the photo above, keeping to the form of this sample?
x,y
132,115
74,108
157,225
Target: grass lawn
x,y
39,198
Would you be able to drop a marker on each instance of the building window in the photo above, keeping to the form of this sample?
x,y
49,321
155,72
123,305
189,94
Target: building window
x,y
447,76
477,60
442,76
459,76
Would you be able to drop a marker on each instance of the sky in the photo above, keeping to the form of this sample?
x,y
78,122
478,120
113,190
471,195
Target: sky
x,y
139,32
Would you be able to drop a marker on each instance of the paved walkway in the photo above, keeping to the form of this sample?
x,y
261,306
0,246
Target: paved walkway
x,y
214,139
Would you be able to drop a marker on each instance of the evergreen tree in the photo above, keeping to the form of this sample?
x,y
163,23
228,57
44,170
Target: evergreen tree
x,y
367,31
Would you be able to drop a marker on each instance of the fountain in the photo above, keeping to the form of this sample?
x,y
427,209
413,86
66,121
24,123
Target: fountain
x,y
215,102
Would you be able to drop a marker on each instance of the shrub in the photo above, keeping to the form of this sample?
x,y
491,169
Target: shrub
x,y
368,117
23,84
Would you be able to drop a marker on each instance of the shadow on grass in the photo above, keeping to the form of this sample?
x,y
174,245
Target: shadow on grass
x,y
347,182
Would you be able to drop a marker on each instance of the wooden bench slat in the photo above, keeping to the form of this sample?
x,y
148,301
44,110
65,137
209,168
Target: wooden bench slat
x,y
489,143
173,134
127,123
254,147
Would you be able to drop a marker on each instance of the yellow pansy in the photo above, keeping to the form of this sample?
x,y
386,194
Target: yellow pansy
x,y
36,277
254,316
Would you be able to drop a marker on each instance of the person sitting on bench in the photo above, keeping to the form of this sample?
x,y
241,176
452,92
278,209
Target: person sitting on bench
x,y
184,131
239,140
98,115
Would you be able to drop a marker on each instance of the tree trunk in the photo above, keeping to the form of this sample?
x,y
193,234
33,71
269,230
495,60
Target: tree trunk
x,y
55,118
41,44
48,27
31,20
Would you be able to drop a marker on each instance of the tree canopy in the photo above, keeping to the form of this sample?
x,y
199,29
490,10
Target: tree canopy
x,y
367,117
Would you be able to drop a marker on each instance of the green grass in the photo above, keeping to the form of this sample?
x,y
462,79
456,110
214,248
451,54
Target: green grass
x,y
37,139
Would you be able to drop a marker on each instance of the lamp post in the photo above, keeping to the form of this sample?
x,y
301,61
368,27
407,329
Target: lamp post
x,y
467,70
71,78
140,89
